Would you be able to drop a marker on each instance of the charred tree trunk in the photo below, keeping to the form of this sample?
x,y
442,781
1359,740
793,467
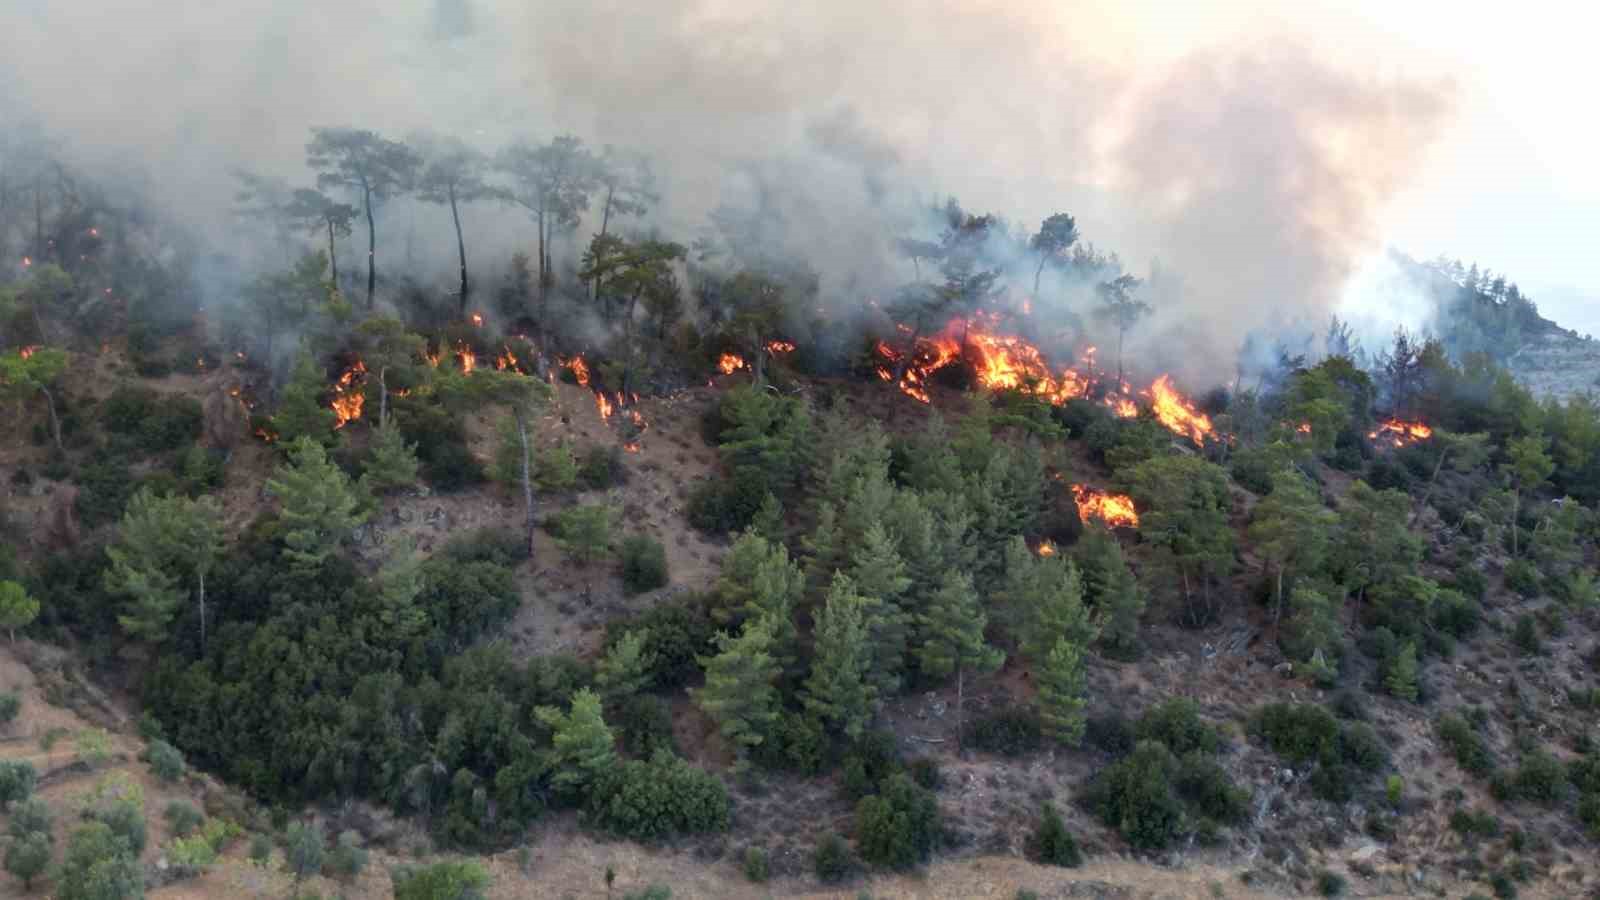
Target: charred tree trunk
x,y
372,247
911,350
1417,511
961,701
605,221
1036,273
544,279
202,576
383,396
461,249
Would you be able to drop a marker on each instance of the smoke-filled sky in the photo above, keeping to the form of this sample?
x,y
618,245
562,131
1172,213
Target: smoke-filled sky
x,y
1264,151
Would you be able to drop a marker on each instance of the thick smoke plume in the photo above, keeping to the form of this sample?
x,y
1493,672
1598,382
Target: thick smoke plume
x,y
1254,176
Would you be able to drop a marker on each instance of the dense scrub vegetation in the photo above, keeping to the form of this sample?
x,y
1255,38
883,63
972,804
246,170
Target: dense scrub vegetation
x,y
864,563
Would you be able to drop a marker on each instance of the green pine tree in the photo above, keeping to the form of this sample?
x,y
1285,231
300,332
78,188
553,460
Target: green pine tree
x,y
319,506
768,521
840,690
879,577
17,609
1401,678
162,543
627,668
759,579
1062,688
301,413
1290,529
391,462
952,635
1527,468
582,745
584,533
1110,586
1314,629
740,692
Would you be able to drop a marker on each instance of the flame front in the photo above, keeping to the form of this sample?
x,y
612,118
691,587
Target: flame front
x,y
579,369
729,363
1046,548
1122,407
1303,428
1175,411
469,359
348,397
506,360
603,404
477,320
780,347
1116,510
1401,432
29,350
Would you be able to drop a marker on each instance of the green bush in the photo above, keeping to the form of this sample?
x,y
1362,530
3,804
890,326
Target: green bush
x,y
182,818
151,422
644,564
654,800
1470,750
1110,733
757,867
500,546
1330,884
652,892
1526,636
1051,843
29,816
899,826
1176,724
646,725
1134,795
165,760
601,468
1467,823
260,849
10,705
1299,732
924,770
1009,732
1360,747
868,763
17,781
1208,789
1522,576
678,635
348,858
1540,778
832,860
1456,613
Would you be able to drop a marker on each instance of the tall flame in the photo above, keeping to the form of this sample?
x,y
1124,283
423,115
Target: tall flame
x,y
603,404
729,363
506,360
1116,510
1175,411
348,397
1046,548
477,320
469,359
579,368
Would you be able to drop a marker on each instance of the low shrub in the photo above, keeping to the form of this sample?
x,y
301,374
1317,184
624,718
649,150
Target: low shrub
x,y
10,706
18,778
678,634
644,564
1134,795
1051,843
646,725
832,861
924,770
1176,723
1207,788
899,826
165,760
1009,732
601,468
1540,778
1110,733
1299,732
182,818
1470,750
757,867
1525,635
658,799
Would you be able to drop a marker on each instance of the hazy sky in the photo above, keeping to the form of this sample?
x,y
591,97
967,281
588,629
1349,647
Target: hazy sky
x,y
1513,181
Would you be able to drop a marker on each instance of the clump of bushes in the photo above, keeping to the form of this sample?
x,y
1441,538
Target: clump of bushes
x,y
644,564
1010,732
658,799
600,468
1176,723
1470,750
832,861
899,826
1051,843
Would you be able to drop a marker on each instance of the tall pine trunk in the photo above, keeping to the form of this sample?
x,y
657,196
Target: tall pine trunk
x,y
527,482
55,423
961,705
202,575
333,257
461,248
605,220
544,282
372,247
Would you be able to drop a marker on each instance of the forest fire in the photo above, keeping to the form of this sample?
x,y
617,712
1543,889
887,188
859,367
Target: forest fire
x,y
578,368
1303,428
1122,407
477,320
729,363
266,435
1116,510
432,358
776,347
27,261
348,398
469,359
1175,411
1046,548
506,360
28,351
630,447
602,404
1400,432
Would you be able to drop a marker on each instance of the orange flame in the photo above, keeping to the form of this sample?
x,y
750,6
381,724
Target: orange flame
x,y
580,369
506,360
603,404
1122,407
780,346
266,436
28,351
1303,428
27,261
1175,411
729,364
630,447
1116,510
469,359
1401,432
432,358
347,395
1046,548
477,320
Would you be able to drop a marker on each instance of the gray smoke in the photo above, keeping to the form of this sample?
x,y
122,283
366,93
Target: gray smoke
x,y
1256,177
